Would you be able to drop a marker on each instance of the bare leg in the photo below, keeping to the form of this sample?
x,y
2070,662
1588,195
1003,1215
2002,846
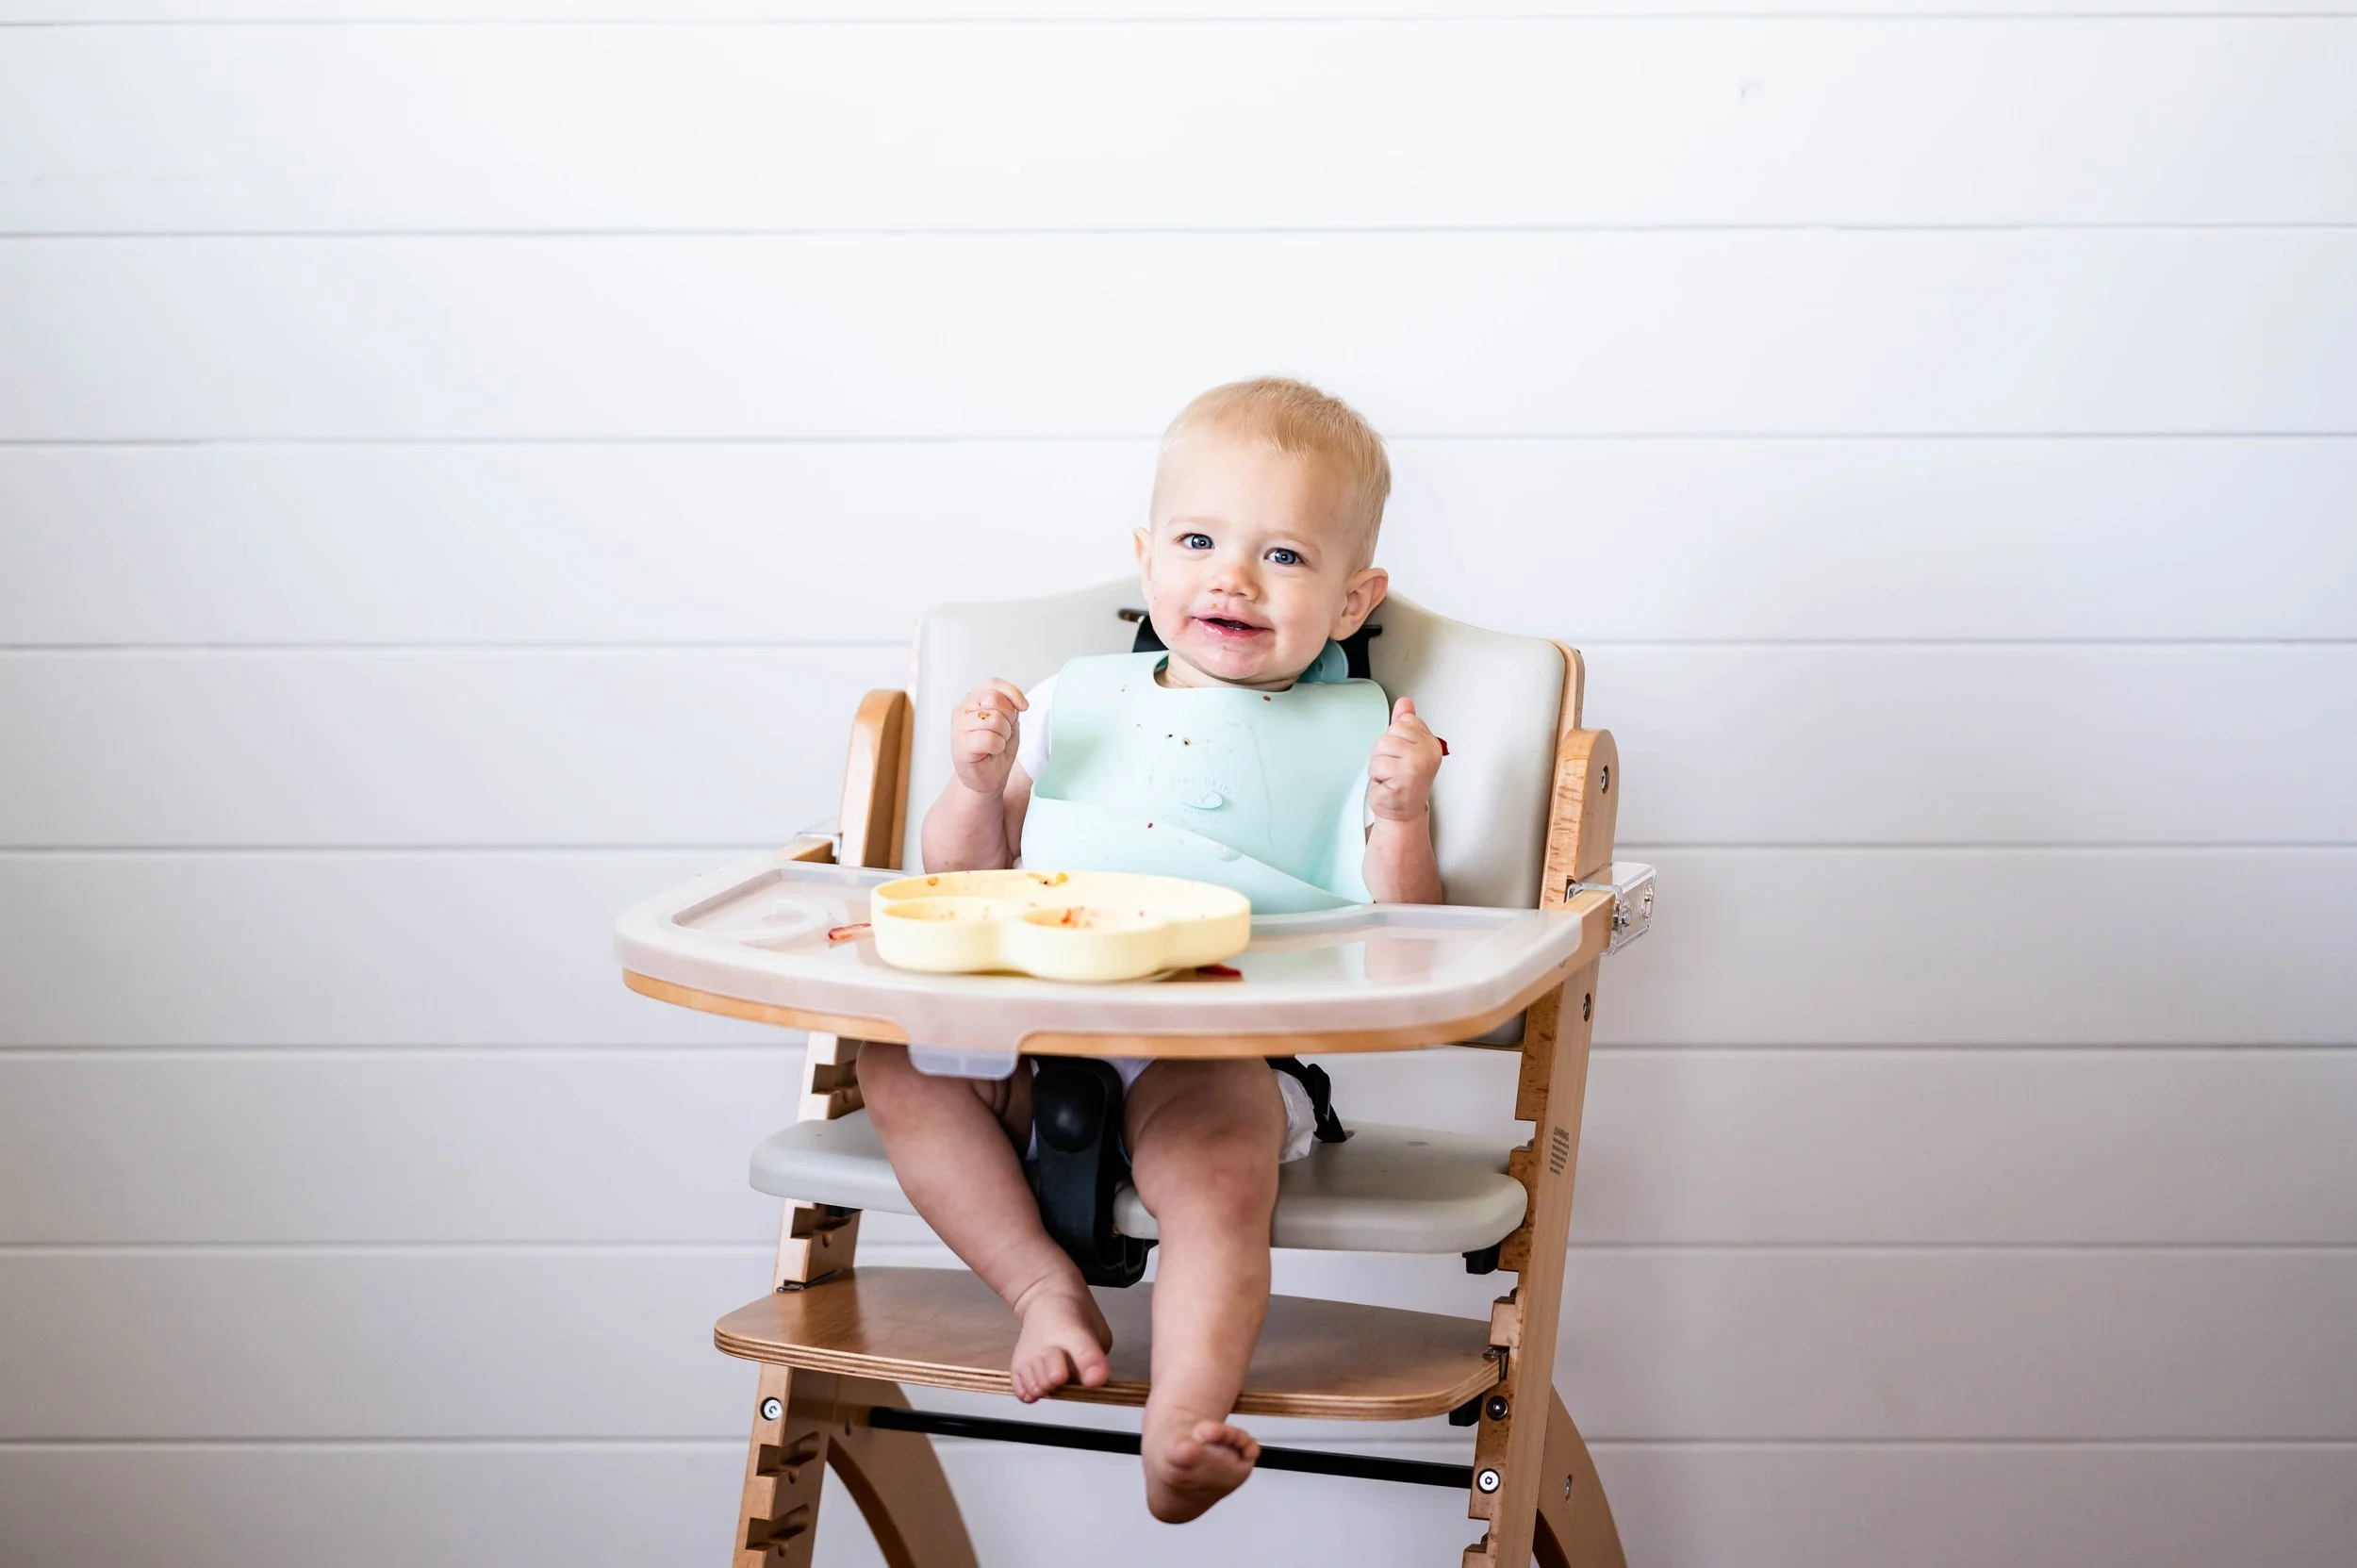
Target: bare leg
x,y
954,1143
1204,1138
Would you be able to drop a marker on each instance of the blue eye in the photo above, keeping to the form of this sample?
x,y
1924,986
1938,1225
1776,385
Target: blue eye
x,y
1284,557
1194,541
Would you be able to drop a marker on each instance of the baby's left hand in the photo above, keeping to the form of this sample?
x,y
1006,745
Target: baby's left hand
x,y
1400,774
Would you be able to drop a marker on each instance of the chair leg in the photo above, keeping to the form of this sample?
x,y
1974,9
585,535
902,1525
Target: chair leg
x,y
1576,1529
897,1479
777,1522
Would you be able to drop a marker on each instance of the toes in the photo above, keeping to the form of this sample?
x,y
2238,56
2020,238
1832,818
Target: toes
x,y
1235,1440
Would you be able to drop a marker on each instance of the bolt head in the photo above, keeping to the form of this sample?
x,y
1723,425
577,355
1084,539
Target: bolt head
x,y
1488,1480
773,1407
1567,1486
1496,1407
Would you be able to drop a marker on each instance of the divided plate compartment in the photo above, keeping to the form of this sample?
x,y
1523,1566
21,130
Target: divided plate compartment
x,y
1058,925
784,934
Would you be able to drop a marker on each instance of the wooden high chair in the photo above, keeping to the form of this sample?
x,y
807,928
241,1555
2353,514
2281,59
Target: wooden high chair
x,y
1523,817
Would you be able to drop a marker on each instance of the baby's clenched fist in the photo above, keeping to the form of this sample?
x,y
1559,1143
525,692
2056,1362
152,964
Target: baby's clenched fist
x,y
1406,759
983,736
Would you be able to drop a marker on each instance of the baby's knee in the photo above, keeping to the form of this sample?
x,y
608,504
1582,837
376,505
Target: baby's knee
x,y
886,1078
1226,1182
900,1094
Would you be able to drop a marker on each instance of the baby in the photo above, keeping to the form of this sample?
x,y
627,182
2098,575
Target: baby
x,y
1245,757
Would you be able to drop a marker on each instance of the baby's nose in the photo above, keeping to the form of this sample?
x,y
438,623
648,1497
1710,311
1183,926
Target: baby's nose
x,y
1235,574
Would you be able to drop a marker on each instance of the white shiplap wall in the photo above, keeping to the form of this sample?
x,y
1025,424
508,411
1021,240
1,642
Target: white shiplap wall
x,y
461,460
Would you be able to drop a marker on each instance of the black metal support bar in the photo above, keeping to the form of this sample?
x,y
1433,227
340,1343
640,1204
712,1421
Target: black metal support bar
x,y
1308,1461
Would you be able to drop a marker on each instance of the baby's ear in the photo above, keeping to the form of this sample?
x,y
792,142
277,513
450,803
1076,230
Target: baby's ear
x,y
1368,586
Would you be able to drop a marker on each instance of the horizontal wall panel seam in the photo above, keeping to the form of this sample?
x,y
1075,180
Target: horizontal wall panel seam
x,y
929,1252
1626,851
1227,230
620,646
990,437
1375,1438
790,1041
1704,845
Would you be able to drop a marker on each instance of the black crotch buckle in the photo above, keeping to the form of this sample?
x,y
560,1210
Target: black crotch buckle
x,y
1079,1167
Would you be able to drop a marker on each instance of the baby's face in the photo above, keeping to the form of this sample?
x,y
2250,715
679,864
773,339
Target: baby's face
x,y
1252,562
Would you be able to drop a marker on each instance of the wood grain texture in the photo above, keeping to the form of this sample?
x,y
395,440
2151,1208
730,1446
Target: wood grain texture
x,y
896,1477
1514,1438
944,1328
1907,539
875,781
1266,123
1575,1525
1753,332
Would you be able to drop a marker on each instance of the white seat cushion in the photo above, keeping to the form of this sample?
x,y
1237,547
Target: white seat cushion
x,y
1388,1189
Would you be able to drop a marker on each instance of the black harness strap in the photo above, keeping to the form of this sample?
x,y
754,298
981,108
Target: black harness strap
x,y
1321,1088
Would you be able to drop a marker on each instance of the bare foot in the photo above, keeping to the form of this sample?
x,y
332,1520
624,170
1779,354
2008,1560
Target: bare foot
x,y
1063,1340
1192,1464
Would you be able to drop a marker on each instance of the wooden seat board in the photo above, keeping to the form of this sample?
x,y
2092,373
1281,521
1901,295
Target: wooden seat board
x,y
944,1328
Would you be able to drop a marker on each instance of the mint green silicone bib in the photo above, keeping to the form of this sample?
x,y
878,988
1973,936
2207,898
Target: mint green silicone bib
x,y
1263,792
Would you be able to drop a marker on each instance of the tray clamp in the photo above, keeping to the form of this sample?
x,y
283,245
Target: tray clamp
x,y
828,831
1631,886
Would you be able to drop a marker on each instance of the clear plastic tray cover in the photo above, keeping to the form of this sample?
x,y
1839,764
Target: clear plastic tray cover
x,y
765,930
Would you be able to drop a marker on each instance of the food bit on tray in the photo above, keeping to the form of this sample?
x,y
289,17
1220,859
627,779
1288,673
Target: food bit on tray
x,y
1217,971
852,932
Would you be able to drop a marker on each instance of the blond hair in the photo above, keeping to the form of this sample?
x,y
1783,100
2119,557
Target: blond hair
x,y
1295,417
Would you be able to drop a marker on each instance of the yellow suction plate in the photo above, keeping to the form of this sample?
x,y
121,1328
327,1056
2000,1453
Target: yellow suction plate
x,y
1058,925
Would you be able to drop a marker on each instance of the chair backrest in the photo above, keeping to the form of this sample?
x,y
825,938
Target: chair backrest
x,y
1498,699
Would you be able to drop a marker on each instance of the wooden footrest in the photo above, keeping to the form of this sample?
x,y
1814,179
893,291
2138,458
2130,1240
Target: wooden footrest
x,y
944,1328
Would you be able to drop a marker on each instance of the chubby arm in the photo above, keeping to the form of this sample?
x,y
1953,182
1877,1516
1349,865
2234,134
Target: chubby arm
x,y
1400,866
977,824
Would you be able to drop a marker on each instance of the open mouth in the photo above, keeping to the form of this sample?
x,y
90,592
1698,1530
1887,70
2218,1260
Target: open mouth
x,y
1227,626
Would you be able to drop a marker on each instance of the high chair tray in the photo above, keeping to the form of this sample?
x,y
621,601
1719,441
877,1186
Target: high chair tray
x,y
765,939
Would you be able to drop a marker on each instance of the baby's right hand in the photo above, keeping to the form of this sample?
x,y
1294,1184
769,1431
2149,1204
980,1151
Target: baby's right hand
x,y
983,736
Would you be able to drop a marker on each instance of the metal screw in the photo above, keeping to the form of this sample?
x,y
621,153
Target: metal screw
x,y
1567,1486
1488,1480
773,1407
1604,778
1587,1006
1496,1408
